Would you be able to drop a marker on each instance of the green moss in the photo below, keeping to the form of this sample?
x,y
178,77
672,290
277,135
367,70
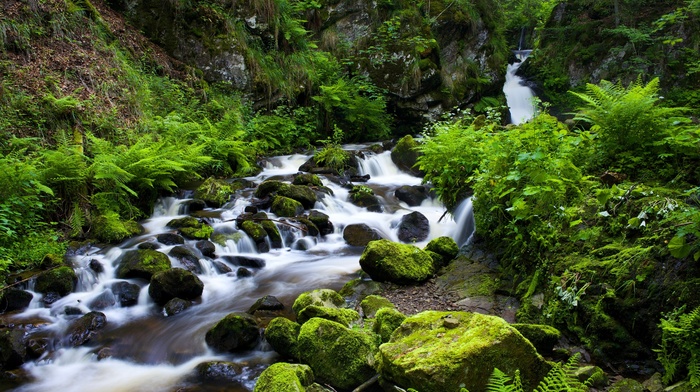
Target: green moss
x,y
385,260
221,238
214,192
266,188
187,221
142,263
301,193
286,207
282,334
338,356
111,228
445,247
320,297
405,155
307,179
627,385
284,377
272,232
543,337
341,316
235,332
372,303
201,233
60,280
387,320
444,351
254,230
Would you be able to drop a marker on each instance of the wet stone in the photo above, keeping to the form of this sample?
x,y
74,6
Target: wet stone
x,y
244,273
266,303
170,239
96,266
126,293
175,306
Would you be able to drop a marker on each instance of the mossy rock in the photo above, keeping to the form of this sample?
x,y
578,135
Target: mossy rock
x,y
14,299
268,187
282,334
444,246
445,351
543,337
387,261
214,192
596,377
321,220
284,377
197,233
629,385
174,283
60,280
110,228
187,221
254,230
338,356
272,232
13,348
286,207
372,303
339,315
221,238
142,263
235,332
307,179
405,156
386,322
310,227
301,193
319,297
363,196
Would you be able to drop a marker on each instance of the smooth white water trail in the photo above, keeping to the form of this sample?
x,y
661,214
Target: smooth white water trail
x,y
519,97
152,352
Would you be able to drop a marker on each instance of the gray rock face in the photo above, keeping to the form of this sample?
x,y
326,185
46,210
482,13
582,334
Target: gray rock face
x,y
414,227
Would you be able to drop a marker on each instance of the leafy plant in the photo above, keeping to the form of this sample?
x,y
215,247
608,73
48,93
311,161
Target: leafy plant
x,y
680,346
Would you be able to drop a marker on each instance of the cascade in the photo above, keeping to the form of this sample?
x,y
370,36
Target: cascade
x,y
149,351
519,97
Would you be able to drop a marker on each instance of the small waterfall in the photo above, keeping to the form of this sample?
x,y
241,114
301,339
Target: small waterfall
x,y
464,217
519,97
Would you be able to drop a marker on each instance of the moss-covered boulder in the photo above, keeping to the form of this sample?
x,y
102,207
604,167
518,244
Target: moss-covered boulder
x,y
272,233
301,193
192,228
60,280
286,207
110,228
386,322
142,263
359,234
254,230
174,283
444,351
235,332
307,179
445,247
338,356
320,297
322,221
630,385
218,372
404,155
372,303
543,337
282,334
363,196
339,315
387,261
214,192
267,188
187,257
285,377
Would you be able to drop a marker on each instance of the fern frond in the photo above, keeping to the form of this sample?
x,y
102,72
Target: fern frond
x,y
498,382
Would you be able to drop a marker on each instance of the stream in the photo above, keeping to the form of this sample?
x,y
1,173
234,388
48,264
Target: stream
x,y
149,351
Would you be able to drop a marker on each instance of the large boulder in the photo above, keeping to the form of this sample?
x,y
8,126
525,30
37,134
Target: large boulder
x,y
413,195
60,280
321,220
13,348
14,299
339,315
414,227
404,155
186,257
321,297
286,207
363,196
339,356
218,372
192,228
283,334
444,249
214,192
359,234
386,322
445,351
235,332
174,283
387,261
302,194
142,263
543,337
307,179
372,303
285,377
84,328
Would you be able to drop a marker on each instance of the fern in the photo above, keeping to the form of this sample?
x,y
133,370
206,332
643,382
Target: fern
x,y
680,345
499,382
560,378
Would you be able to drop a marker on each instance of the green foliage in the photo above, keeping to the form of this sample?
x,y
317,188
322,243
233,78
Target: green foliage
x,y
560,378
680,346
332,154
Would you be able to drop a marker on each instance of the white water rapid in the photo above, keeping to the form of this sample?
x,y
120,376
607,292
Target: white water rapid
x,y
519,96
148,351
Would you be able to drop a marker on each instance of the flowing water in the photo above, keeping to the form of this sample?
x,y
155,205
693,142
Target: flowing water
x,y
152,352
519,96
